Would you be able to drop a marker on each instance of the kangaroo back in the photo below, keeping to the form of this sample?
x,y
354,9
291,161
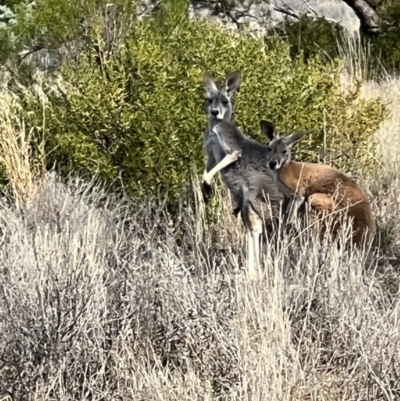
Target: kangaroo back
x,y
329,190
360,211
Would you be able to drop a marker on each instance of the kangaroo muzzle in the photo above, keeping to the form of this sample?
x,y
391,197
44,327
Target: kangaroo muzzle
x,y
274,164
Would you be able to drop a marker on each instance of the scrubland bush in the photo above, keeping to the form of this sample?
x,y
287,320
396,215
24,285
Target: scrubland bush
x,y
310,37
138,114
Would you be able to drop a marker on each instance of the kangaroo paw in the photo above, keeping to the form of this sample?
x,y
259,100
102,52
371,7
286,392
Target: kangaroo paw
x,y
236,211
207,190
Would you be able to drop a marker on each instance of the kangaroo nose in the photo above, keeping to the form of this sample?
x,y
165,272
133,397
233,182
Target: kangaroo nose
x,y
215,112
272,164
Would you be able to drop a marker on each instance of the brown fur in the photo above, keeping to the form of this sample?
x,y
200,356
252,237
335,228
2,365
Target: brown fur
x,y
326,190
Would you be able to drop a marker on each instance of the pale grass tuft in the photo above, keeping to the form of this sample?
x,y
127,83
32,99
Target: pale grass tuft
x,y
24,168
354,55
389,132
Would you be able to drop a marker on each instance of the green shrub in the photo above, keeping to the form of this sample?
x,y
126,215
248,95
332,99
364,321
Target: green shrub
x,y
139,114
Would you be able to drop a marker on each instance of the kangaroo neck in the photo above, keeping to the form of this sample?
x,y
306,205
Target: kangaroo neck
x,y
289,173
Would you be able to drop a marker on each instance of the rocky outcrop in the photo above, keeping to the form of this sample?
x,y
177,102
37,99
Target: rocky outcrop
x,y
370,21
259,15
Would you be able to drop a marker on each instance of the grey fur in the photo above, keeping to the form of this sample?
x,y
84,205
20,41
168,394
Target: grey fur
x,y
249,179
278,155
242,164
279,149
218,108
250,182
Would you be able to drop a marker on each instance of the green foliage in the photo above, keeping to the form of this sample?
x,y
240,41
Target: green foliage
x,y
139,115
7,39
49,22
312,37
53,23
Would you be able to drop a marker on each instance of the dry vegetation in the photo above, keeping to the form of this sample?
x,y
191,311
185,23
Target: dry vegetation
x,y
103,299
24,168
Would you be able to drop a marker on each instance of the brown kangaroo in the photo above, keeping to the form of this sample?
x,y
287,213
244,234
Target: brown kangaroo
x,y
324,189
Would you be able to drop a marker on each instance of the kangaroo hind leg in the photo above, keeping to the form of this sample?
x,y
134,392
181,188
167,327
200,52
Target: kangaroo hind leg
x,y
253,238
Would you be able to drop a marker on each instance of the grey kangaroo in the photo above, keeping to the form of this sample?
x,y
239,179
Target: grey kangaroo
x,y
250,182
219,108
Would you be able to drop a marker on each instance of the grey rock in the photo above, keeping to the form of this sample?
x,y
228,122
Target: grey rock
x,y
257,15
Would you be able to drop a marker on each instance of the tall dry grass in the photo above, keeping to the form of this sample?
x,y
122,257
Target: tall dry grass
x,y
373,84
389,132
102,299
23,160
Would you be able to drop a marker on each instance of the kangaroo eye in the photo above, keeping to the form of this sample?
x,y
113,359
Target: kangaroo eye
x,y
269,150
225,102
209,101
284,152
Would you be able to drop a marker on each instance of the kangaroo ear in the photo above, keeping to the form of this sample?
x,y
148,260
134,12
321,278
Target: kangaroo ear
x,y
209,84
292,139
269,130
232,83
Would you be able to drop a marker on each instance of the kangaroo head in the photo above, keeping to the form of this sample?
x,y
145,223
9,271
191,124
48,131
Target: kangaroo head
x,y
279,148
219,105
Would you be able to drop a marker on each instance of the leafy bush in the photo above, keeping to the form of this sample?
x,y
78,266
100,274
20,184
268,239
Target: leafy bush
x,y
52,25
7,39
138,114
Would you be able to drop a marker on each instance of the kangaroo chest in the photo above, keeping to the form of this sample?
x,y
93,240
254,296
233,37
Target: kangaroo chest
x,y
213,146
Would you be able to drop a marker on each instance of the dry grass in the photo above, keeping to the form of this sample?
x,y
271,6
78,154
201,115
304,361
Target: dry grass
x,y
24,166
355,56
389,133
105,300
